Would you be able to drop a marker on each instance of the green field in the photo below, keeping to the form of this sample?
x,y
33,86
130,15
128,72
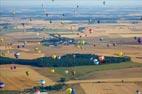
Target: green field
x,y
84,72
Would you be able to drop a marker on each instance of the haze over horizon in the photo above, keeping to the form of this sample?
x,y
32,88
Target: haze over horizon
x,y
69,3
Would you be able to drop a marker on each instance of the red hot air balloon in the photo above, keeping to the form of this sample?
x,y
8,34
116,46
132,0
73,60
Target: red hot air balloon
x,y
102,59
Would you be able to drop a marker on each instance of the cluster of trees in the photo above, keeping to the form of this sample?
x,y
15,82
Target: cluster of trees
x,y
55,87
64,61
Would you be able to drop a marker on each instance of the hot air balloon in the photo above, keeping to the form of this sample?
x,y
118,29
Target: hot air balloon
x,y
98,21
114,44
30,19
108,45
104,2
102,59
54,56
42,82
101,39
141,18
90,30
2,85
138,92
14,67
135,37
139,40
66,71
11,68
18,46
37,91
59,57
13,12
96,62
73,91
17,55
120,53
38,34
1,40
73,73
50,21
23,24
36,49
52,70
27,73
69,91
94,45
91,58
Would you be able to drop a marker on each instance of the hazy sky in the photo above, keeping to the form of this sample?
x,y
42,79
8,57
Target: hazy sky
x,y
26,3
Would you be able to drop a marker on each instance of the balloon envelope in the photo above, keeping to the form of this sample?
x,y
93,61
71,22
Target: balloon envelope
x,y
2,85
66,71
96,61
42,82
69,91
53,70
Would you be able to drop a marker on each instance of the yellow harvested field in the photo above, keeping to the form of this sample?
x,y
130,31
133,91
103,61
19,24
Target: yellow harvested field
x,y
110,88
18,80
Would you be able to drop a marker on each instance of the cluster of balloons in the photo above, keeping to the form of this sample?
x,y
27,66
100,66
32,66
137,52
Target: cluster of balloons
x,y
13,67
37,50
100,60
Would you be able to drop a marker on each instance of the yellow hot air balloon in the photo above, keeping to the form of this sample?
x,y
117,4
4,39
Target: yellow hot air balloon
x,y
68,90
83,42
66,71
52,70
121,53
38,42
39,51
36,49
54,56
1,40
78,46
